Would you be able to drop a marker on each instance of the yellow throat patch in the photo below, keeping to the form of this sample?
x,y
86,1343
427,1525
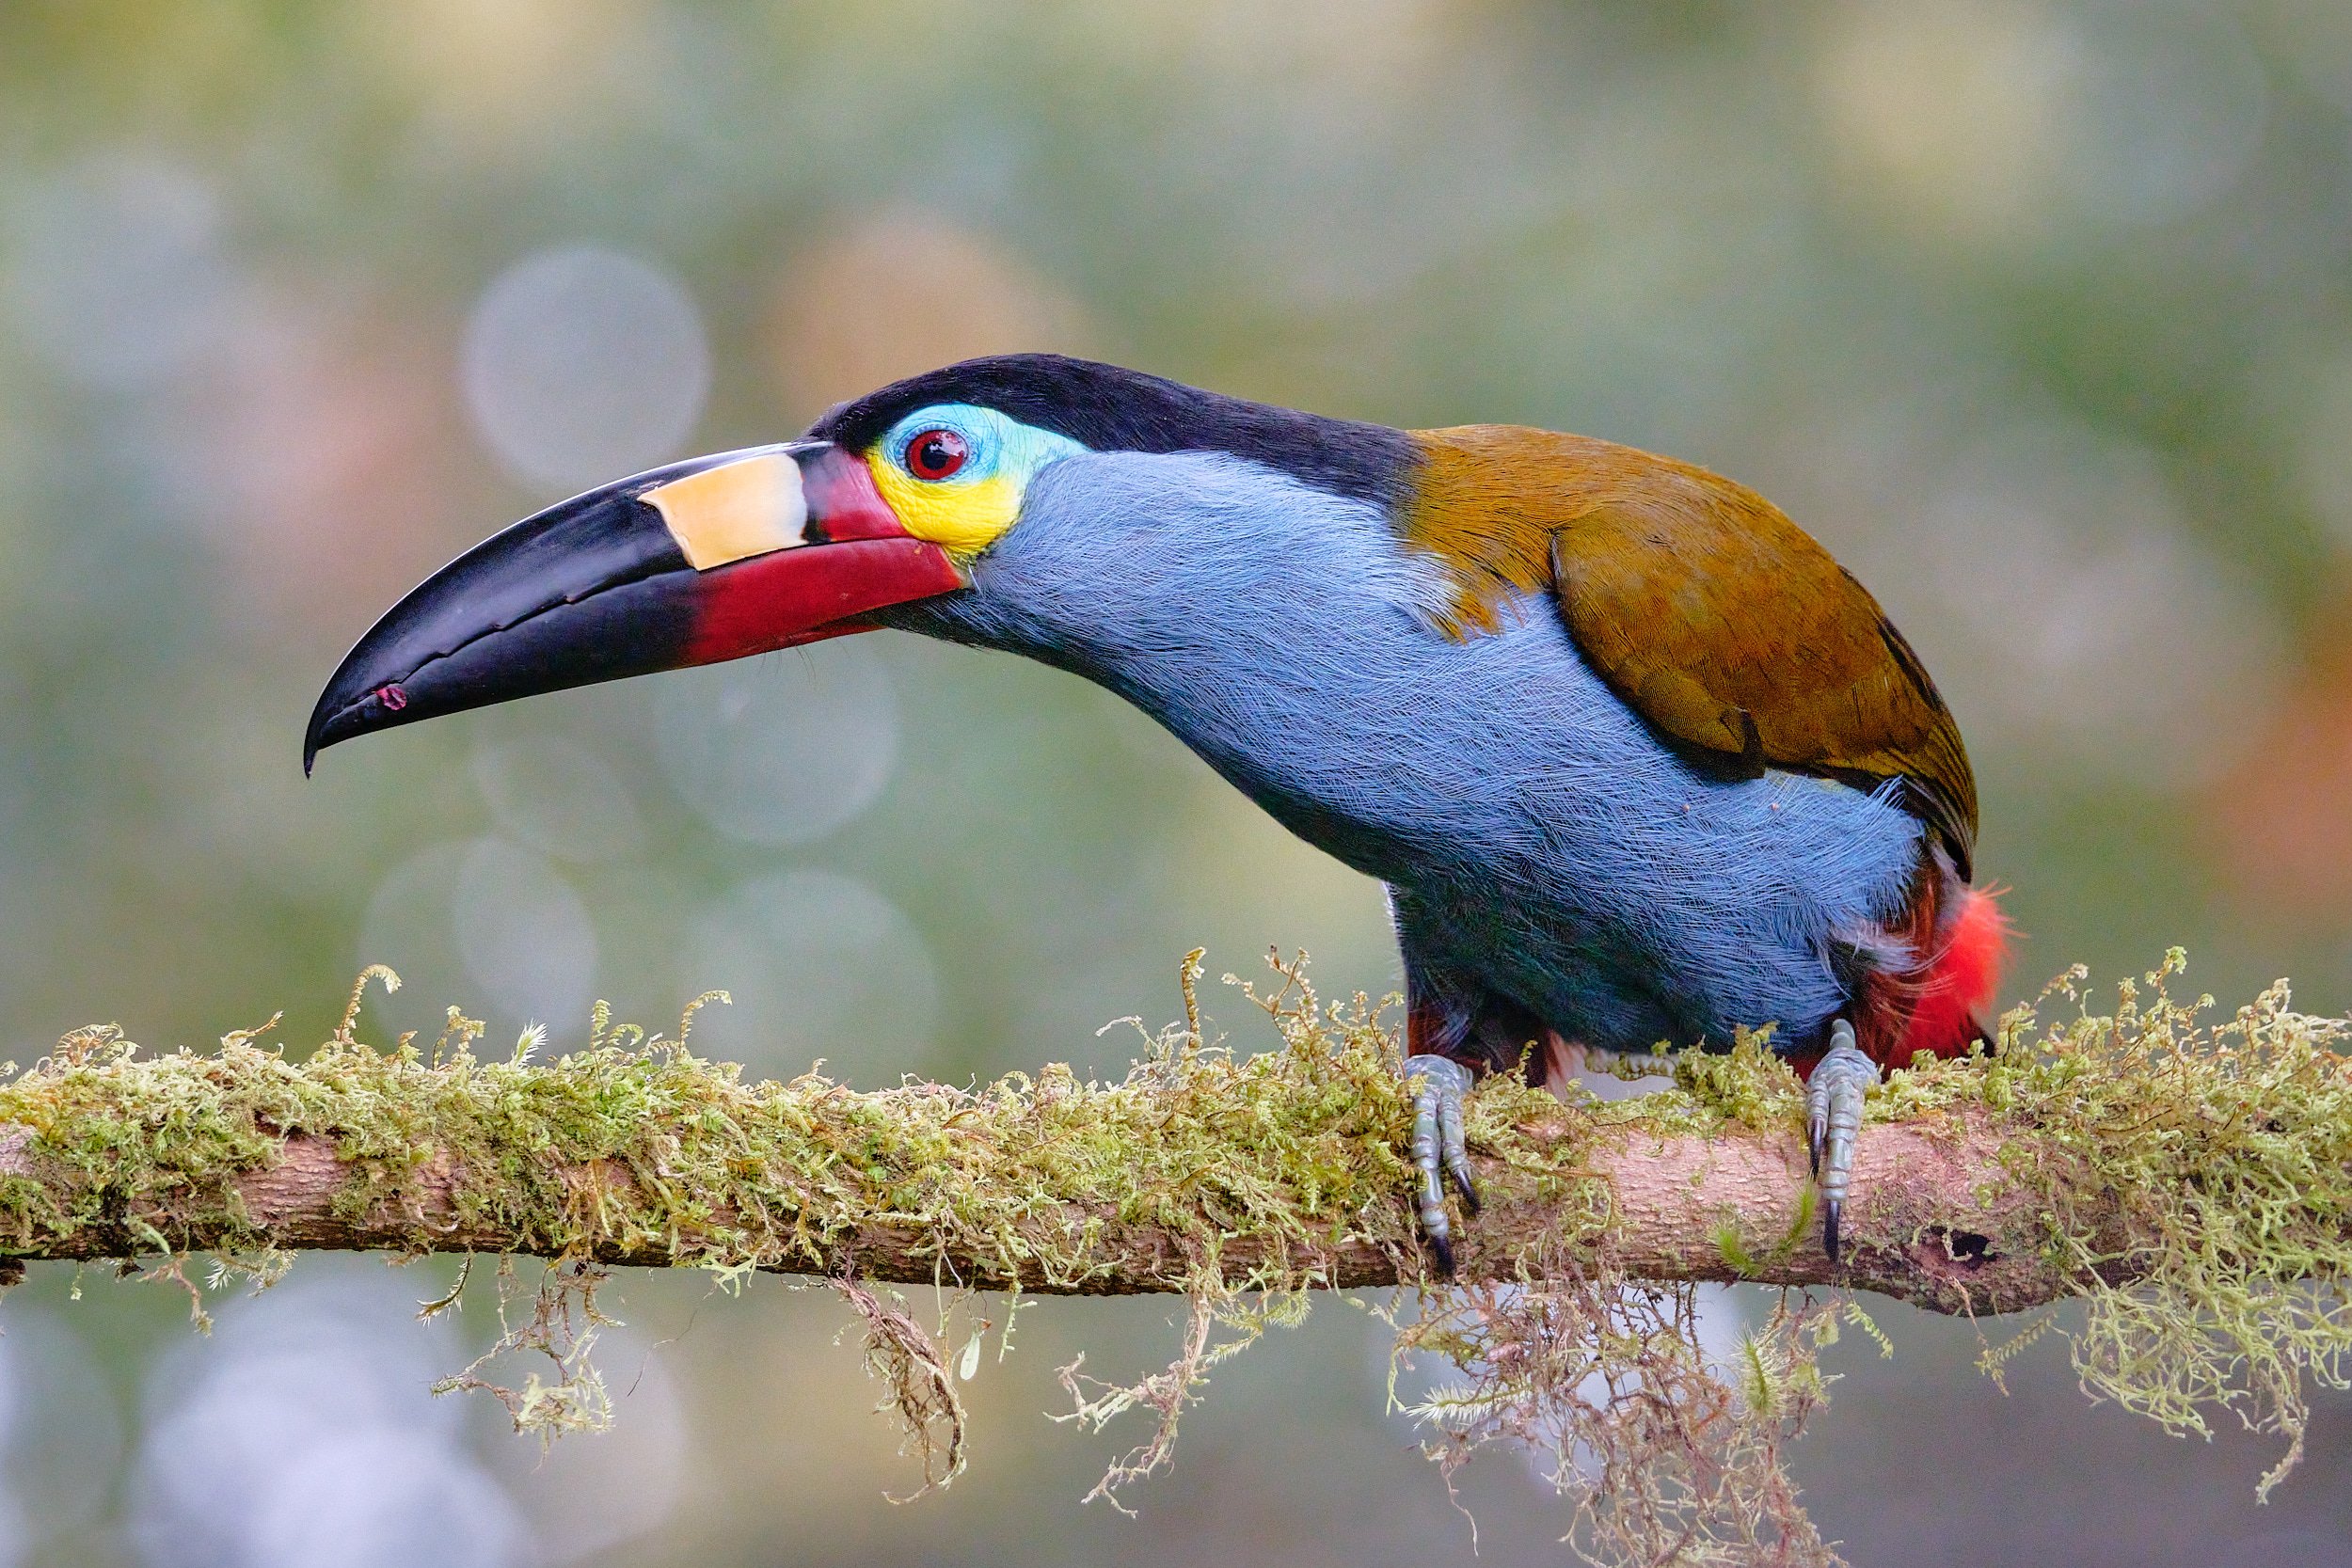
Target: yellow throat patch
x,y
962,519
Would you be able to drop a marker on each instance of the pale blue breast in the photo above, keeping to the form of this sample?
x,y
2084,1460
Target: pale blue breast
x,y
1538,837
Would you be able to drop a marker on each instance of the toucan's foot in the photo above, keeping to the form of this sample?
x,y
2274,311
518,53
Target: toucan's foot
x,y
1439,1083
1834,1099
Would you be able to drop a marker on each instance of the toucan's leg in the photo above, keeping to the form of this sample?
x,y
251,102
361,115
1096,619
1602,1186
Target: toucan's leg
x,y
1439,1083
1457,1029
1834,1097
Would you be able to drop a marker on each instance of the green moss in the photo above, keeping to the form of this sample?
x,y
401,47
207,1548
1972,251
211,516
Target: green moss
x,y
2194,1179
1229,1177
705,1169
2193,1175
2227,1146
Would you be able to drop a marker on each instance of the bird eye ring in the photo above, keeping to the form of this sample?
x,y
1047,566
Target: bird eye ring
x,y
936,454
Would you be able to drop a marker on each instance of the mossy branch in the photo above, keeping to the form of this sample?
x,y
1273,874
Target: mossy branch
x,y
1287,1170
1281,1171
2193,1182
1982,1187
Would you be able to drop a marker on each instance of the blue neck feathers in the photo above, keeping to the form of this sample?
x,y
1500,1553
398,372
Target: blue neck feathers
x,y
1538,840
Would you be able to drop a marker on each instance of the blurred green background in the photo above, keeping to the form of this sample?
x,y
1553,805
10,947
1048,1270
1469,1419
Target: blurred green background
x,y
2040,315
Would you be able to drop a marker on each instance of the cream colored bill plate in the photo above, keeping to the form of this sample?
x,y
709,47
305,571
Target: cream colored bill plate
x,y
736,511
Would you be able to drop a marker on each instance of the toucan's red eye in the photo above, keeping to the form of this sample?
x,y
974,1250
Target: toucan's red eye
x,y
936,453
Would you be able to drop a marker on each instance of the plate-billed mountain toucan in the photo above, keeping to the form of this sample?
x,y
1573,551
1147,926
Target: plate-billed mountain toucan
x,y
1636,759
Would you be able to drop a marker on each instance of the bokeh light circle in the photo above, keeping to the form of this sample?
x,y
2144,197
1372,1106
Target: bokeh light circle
x,y
386,1499
304,1433
557,795
785,749
114,269
526,936
820,965
488,923
582,365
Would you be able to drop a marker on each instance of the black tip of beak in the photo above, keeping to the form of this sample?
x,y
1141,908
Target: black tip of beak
x,y
567,597
341,714
335,718
339,717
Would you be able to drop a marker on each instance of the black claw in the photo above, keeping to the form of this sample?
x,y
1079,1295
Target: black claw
x,y
1831,1212
1444,1249
1470,1194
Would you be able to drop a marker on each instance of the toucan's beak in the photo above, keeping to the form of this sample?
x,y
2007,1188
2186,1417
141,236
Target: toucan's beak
x,y
708,560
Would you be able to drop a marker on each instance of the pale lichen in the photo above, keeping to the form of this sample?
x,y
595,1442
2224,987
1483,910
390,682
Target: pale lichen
x,y
2194,1179
2225,1148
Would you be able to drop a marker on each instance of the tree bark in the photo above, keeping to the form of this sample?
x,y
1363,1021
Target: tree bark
x,y
1937,1218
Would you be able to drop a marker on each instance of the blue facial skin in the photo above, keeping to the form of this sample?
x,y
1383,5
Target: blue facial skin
x,y
996,445
1540,845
